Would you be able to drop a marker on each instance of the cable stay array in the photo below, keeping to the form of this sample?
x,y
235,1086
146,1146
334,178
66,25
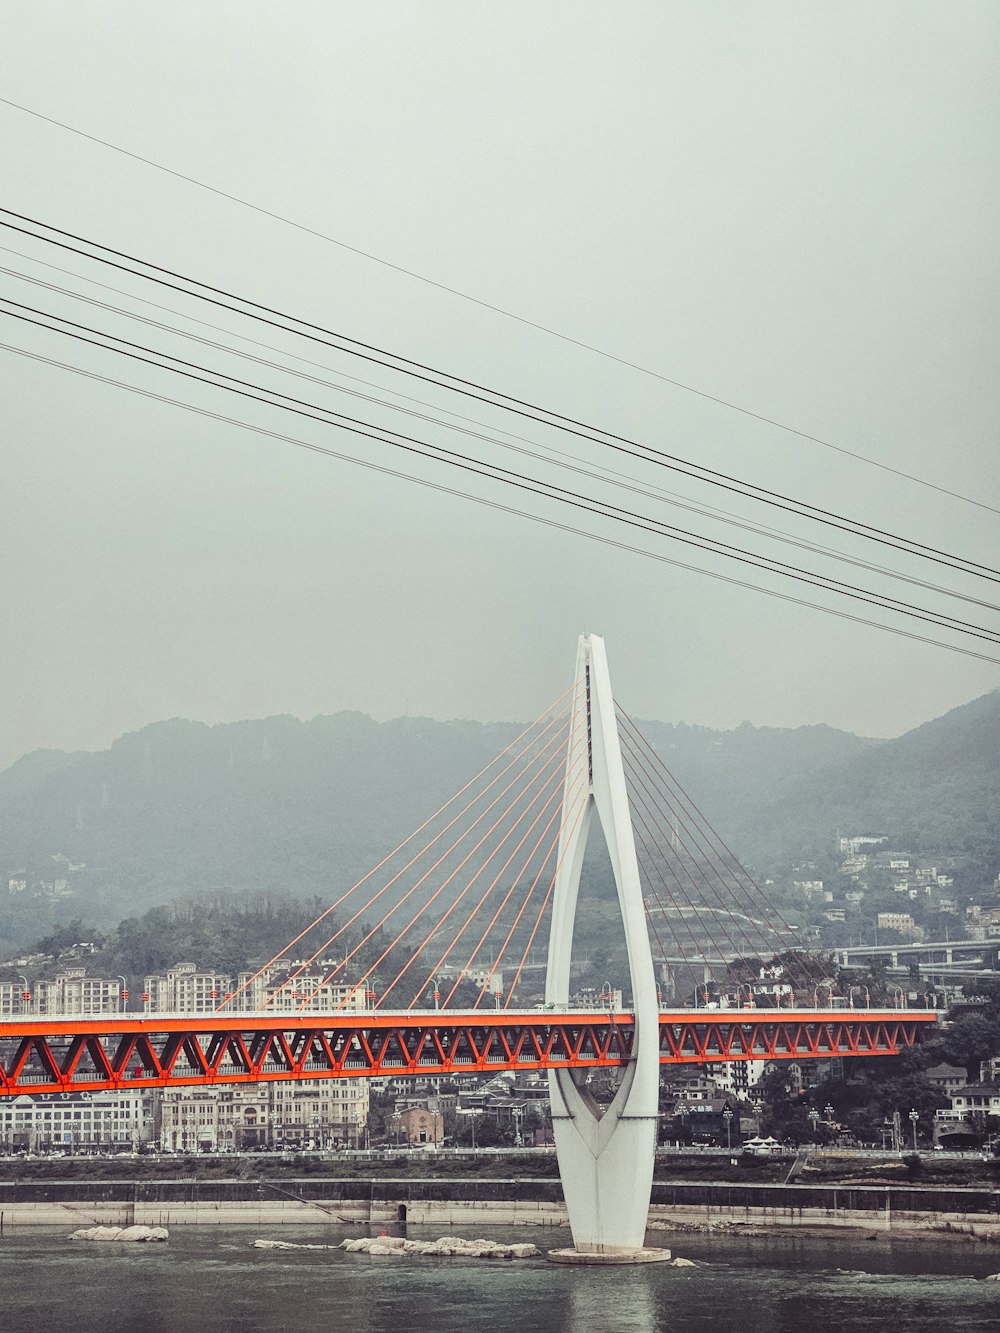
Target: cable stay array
x,y
453,910
715,930
457,916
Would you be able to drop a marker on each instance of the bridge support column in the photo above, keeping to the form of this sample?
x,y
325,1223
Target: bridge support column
x,y
605,1160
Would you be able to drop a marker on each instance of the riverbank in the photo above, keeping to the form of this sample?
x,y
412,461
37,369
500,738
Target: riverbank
x,y
708,1165
463,1205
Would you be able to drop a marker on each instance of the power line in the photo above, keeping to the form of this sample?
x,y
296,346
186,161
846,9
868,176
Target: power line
x,y
617,479
501,310
520,481
519,407
496,505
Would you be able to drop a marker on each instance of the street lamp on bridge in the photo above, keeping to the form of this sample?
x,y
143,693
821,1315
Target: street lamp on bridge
x,y
914,1117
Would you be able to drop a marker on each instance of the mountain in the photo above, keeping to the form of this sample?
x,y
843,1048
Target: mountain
x,y
284,806
779,795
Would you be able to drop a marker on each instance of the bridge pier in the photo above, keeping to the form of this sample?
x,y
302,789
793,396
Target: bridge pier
x,y
605,1158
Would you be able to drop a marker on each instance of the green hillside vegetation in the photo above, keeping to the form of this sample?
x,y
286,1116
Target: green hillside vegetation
x,y
299,809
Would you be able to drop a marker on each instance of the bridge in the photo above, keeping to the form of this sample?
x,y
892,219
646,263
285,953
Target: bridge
x,y
107,1053
464,898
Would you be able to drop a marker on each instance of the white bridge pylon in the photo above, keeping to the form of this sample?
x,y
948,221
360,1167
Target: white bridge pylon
x,y
605,1161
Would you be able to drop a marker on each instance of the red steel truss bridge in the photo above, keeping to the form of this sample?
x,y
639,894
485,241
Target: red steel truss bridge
x,y
107,1053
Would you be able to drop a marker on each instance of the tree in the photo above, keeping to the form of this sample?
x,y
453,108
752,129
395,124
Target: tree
x,y
973,1038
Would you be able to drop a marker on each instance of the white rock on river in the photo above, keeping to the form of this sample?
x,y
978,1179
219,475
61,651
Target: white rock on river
x,y
136,1233
398,1247
289,1245
444,1247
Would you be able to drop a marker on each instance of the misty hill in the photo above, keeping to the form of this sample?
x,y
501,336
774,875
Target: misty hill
x,y
279,805
782,795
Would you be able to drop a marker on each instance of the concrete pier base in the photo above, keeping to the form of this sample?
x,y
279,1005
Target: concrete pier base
x,y
598,1259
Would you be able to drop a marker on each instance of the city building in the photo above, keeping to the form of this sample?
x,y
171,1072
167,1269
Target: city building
x,y
15,998
293,1114
901,922
70,992
78,1122
185,990
948,1078
855,843
417,1125
73,992
708,1120
965,1123
288,984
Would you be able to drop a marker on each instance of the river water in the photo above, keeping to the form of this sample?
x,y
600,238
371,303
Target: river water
x,y
209,1279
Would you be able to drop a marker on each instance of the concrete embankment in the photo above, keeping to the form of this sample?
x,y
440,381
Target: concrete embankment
x,y
478,1202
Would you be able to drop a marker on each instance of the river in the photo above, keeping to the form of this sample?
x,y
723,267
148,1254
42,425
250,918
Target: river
x,y
210,1280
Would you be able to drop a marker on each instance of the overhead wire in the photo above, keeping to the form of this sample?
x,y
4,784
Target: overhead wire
x,y
485,502
491,471
535,450
569,339
472,389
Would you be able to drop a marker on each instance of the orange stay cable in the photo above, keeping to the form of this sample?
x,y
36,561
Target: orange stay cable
x,y
545,901
364,879
640,825
553,798
437,925
506,899
480,943
396,906
520,913
704,836
544,775
556,796
721,918
375,896
427,846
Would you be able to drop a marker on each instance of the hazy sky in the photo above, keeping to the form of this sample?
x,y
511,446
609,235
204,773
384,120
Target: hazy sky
x,y
793,207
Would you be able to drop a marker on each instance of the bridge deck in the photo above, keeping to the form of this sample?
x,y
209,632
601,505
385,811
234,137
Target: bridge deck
x,y
106,1052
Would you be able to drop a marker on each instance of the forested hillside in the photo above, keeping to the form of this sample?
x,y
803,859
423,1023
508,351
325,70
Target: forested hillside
x,y
289,807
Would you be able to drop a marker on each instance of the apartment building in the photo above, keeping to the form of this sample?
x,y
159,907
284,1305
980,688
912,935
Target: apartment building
x,y
78,1121
286,1114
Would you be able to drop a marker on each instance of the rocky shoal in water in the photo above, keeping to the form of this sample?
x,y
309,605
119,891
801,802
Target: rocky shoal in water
x,y
443,1247
138,1234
